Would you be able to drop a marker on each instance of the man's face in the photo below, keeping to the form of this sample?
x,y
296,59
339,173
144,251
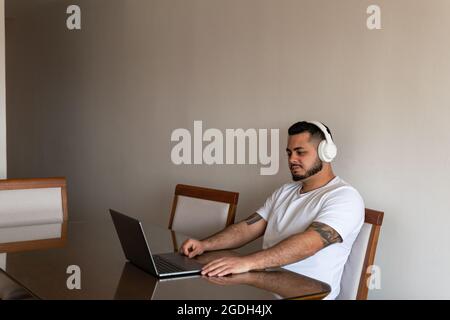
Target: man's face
x,y
302,156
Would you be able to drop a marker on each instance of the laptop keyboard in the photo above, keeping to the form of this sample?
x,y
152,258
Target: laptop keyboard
x,y
165,266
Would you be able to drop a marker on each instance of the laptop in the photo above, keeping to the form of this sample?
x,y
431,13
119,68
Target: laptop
x,y
135,247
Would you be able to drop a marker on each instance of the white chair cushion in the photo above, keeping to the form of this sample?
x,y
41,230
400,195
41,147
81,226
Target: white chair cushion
x,y
199,218
30,207
353,267
30,233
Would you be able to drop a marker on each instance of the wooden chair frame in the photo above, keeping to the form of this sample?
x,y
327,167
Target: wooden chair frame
x,y
375,218
206,194
19,184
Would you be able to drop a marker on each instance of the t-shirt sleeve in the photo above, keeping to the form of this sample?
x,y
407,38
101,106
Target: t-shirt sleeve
x,y
266,210
343,210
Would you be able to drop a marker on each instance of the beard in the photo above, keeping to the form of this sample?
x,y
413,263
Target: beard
x,y
317,166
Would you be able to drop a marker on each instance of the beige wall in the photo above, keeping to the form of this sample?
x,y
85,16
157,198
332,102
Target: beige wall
x,y
99,105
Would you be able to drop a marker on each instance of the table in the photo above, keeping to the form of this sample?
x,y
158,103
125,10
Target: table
x,y
105,274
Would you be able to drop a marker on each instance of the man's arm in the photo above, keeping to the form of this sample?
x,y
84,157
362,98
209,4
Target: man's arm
x,y
233,236
237,235
295,248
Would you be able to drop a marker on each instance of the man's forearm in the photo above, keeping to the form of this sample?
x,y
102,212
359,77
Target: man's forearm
x,y
295,248
232,237
290,250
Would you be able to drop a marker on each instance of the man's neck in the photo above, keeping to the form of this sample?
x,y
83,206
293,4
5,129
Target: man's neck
x,y
318,180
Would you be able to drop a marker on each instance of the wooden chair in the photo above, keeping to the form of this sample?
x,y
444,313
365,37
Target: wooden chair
x,y
33,214
200,212
355,276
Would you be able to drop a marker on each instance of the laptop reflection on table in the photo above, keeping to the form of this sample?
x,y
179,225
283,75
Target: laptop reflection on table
x,y
135,284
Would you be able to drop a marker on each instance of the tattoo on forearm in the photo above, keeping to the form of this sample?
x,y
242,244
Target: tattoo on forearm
x,y
327,233
253,219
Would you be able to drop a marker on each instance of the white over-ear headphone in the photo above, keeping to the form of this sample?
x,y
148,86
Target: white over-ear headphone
x,y
327,150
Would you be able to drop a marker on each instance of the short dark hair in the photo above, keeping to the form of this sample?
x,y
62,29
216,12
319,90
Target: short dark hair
x,y
303,126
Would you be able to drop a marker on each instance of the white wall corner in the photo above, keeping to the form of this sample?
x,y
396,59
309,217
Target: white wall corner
x,y
3,261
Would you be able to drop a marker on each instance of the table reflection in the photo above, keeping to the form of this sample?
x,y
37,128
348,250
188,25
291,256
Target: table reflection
x,y
95,248
266,284
32,237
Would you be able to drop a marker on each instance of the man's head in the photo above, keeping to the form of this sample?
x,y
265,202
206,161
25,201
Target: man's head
x,y
304,139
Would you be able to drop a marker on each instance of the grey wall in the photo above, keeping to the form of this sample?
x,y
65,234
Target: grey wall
x,y
99,105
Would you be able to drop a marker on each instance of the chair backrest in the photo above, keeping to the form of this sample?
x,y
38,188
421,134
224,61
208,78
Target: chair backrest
x,y
31,209
356,274
199,212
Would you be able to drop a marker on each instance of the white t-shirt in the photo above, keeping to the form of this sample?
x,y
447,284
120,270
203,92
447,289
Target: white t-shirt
x,y
336,204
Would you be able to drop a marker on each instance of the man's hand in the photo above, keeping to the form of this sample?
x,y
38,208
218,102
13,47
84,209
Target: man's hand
x,y
192,248
228,265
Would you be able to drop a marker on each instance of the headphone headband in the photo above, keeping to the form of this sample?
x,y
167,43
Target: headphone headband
x,y
323,129
326,150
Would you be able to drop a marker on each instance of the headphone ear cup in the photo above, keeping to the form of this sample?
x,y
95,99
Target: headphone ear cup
x,y
321,151
327,151
331,151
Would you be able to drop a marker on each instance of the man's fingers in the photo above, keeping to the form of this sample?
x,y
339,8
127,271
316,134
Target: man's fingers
x,y
187,247
212,271
212,268
194,252
225,272
218,271
192,248
212,263
224,266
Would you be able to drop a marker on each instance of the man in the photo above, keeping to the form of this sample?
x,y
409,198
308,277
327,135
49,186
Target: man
x,y
309,226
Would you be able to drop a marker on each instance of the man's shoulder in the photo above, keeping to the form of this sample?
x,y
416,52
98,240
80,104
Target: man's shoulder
x,y
342,188
289,187
285,189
